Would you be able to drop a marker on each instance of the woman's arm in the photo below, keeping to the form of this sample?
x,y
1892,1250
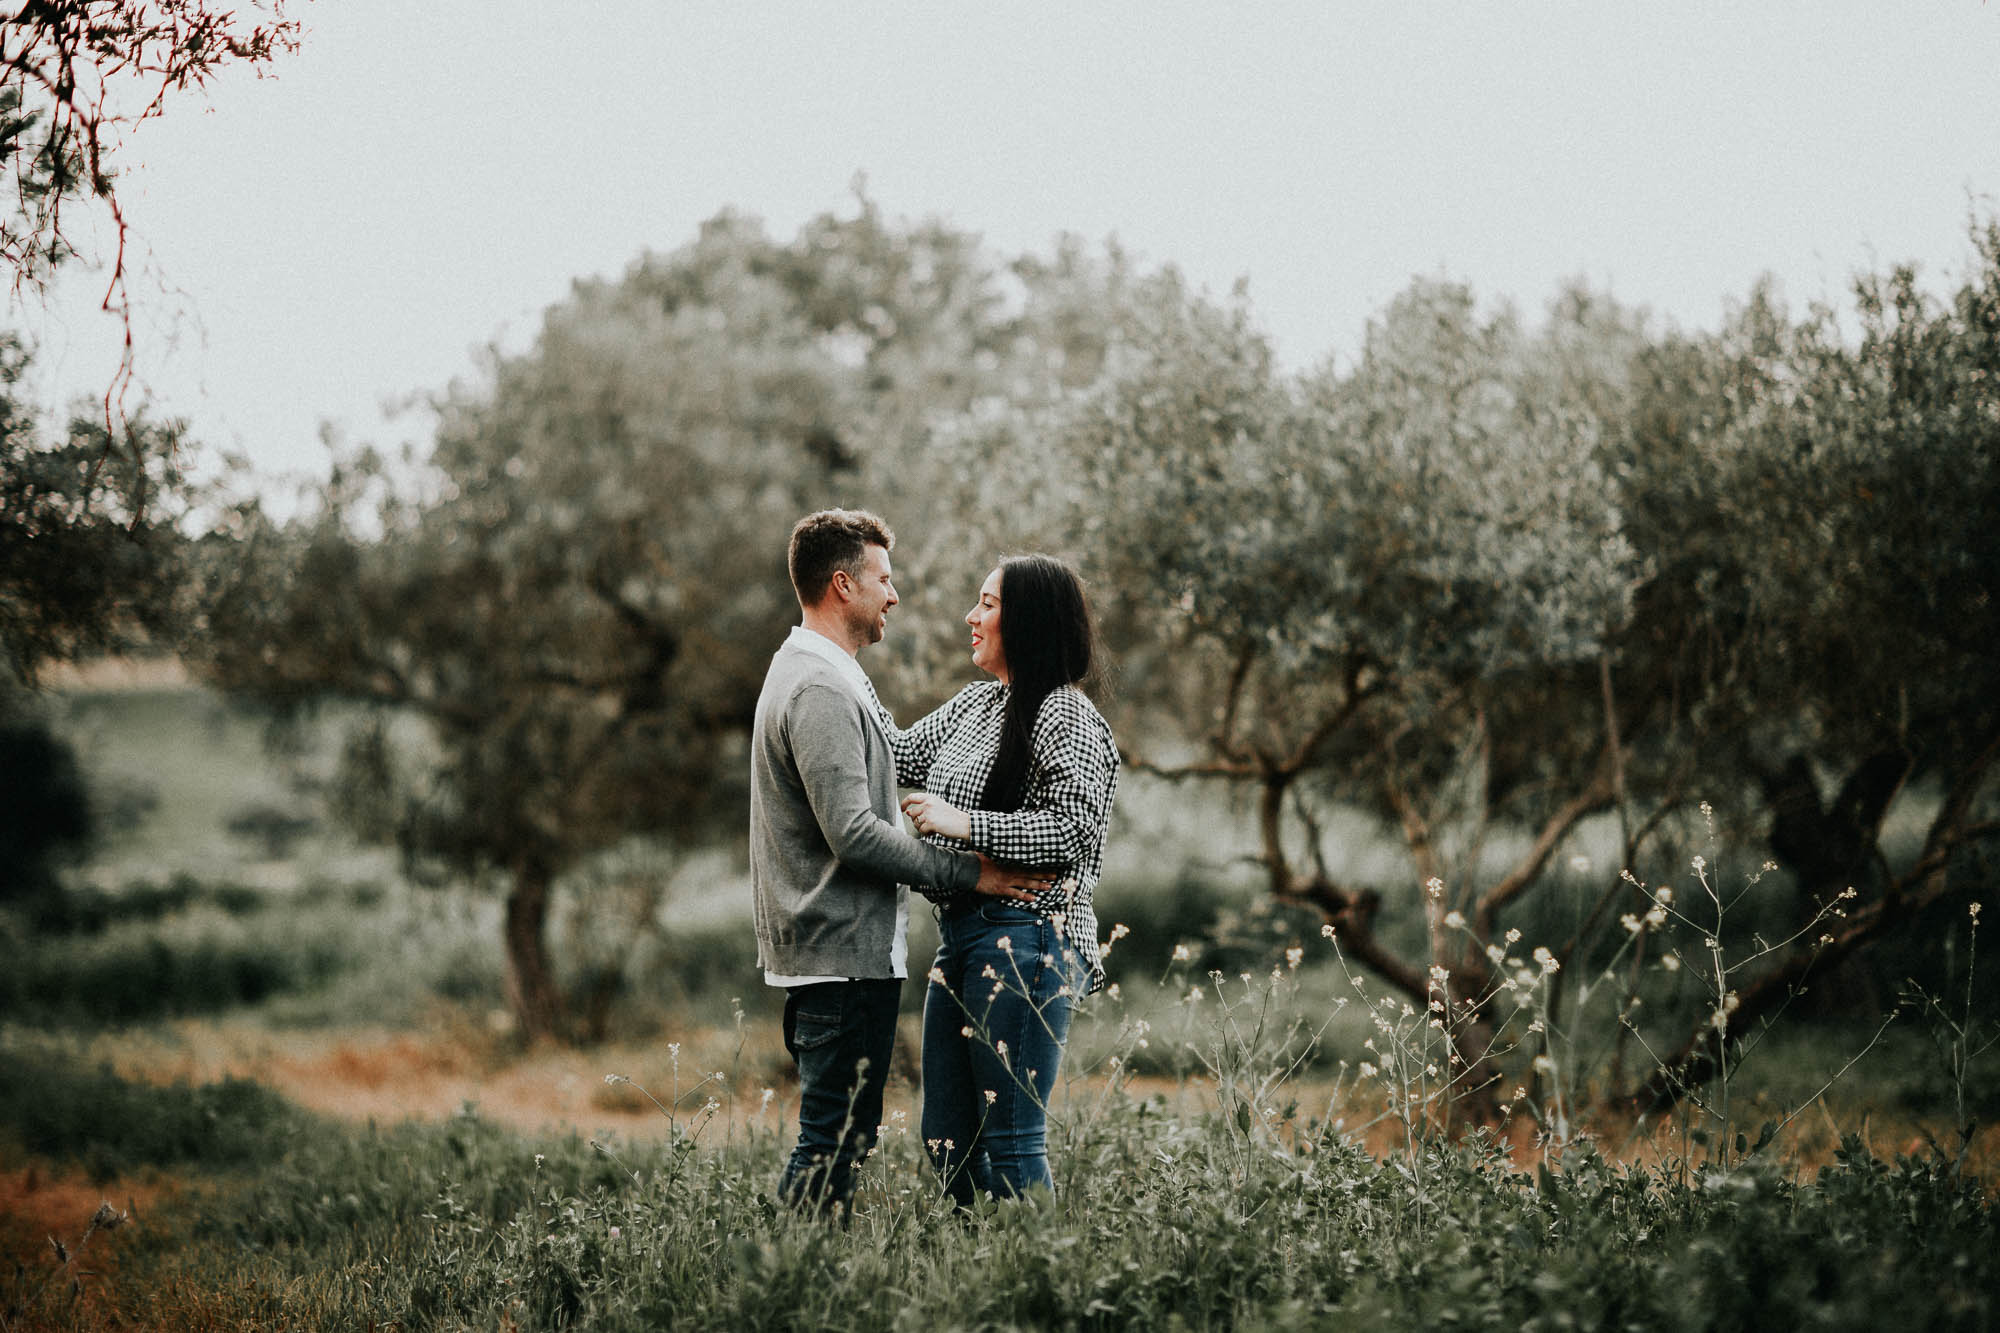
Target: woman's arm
x,y
1072,766
916,747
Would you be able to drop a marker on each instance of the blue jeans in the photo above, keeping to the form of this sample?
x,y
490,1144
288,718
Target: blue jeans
x,y
840,1034
994,1029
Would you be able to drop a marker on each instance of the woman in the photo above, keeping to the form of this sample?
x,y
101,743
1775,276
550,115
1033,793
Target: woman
x,y
1022,768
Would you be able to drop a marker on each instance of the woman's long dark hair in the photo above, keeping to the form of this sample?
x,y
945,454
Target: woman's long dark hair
x,y
1048,641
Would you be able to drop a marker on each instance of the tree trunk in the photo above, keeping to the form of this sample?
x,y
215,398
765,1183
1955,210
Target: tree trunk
x,y
1829,849
531,988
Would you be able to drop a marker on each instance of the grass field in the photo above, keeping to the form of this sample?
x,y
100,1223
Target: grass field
x,y
285,1088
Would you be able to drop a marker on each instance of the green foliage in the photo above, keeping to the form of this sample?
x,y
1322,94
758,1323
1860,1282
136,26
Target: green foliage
x,y
321,954
80,571
112,1126
45,807
1163,1221
83,564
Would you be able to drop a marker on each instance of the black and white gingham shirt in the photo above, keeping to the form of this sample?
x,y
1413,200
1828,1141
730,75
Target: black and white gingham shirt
x,y
1072,776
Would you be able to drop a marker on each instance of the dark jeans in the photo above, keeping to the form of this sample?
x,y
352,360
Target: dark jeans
x,y
840,1034
994,1028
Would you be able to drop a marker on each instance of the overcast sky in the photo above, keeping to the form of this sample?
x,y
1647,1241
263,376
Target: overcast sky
x,y
422,179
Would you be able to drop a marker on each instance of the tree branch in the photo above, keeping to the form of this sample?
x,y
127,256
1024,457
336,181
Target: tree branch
x,y
1591,799
1700,1055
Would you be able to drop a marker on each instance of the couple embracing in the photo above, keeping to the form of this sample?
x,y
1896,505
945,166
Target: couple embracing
x,y
1014,778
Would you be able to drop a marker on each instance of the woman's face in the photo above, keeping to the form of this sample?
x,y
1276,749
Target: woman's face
x,y
987,652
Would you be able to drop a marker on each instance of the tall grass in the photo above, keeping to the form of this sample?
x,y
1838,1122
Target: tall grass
x,y
1169,1214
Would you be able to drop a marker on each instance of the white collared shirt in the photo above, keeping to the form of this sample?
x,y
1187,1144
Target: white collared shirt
x,y
844,662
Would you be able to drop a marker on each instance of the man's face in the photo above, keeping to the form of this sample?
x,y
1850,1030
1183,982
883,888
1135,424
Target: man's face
x,y
874,594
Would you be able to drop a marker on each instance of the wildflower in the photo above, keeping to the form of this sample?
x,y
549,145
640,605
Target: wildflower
x,y
1006,943
1711,944
1112,992
1671,962
989,974
1119,932
1495,953
1326,931
616,1233
965,1031
1657,917
1973,911
1368,1070
1512,936
1663,895
1181,954
615,1079
1825,940
764,1099
1630,922
1545,1065
1194,995
539,1159
937,975
991,1096
1546,959
1439,974
1535,1025
1000,1047
1455,919
674,1050
1700,864
1295,955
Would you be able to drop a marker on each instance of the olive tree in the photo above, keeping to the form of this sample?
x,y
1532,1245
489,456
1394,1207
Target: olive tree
x,y
559,622
1855,473
1374,578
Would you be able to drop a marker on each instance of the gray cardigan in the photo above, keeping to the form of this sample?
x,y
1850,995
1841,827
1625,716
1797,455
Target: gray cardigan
x,y
828,860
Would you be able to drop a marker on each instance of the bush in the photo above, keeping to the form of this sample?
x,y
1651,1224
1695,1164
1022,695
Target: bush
x,y
111,1126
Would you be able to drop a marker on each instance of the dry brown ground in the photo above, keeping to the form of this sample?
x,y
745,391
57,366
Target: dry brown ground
x,y
389,1076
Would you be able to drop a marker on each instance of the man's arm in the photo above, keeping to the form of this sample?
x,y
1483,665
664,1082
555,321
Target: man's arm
x,y
829,748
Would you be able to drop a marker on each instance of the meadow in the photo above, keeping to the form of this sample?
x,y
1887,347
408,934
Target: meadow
x,y
252,1076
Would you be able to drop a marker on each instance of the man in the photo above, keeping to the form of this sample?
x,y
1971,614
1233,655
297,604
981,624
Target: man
x,y
829,862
